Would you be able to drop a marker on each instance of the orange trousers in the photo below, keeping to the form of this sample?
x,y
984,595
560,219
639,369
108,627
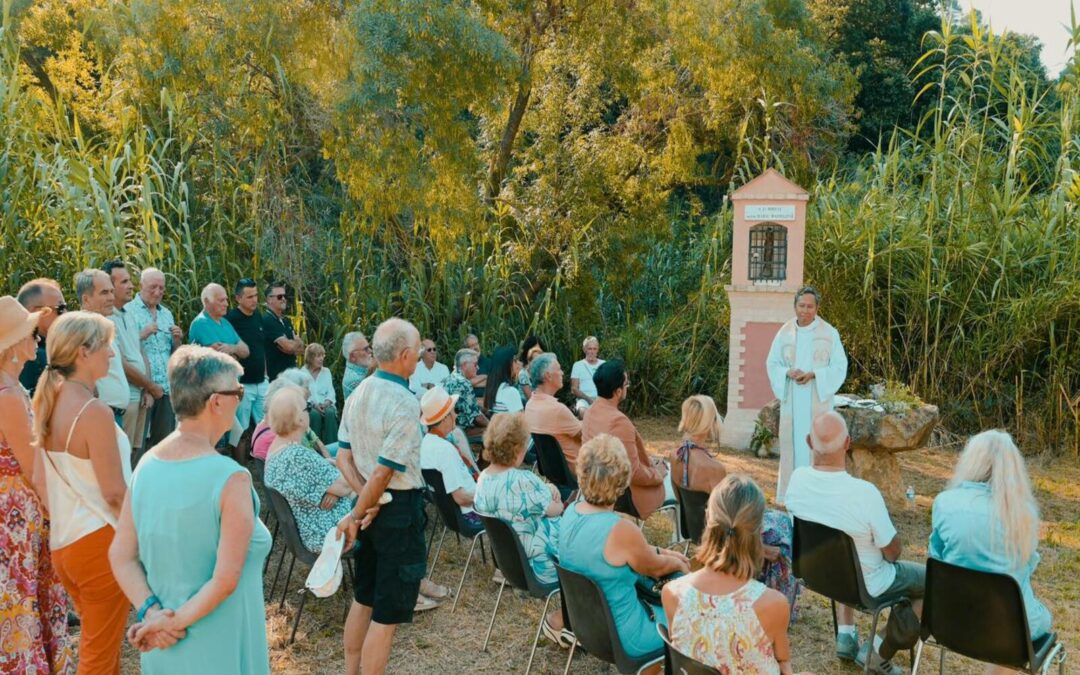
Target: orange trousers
x,y
103,608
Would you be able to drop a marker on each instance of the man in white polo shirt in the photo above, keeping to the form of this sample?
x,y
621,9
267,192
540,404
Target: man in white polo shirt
x,y
581,375
95,291
826,493
429,372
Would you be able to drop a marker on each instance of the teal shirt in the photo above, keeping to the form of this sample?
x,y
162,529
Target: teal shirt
x,y
967,534
205,331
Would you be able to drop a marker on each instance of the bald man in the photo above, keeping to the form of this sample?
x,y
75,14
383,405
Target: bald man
x,y
826,493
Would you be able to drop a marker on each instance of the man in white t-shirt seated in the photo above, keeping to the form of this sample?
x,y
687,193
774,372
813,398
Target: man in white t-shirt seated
x,y
458,471
826,493
581,375
429,373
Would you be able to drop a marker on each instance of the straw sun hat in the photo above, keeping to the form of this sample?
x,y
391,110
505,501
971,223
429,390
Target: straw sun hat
x,y
15,322
436,405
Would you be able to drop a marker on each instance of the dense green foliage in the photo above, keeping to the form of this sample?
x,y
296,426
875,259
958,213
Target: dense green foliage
x,y
559,167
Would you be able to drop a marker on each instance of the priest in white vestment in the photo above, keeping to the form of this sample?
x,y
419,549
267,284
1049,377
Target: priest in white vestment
x,y
807,366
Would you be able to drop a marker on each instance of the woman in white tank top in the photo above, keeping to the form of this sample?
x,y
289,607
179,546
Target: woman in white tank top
x,y
87,468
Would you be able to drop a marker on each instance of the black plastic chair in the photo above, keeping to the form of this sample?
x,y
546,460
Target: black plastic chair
x,y
594,626
511,560
981,615
294,545
552,464
692,506
452,520
679,663
818,557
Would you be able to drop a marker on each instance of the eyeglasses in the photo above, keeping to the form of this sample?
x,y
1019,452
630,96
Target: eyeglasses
x,y
60,309
238,393
309,406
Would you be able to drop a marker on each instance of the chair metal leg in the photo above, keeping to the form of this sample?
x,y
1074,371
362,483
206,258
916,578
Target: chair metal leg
x,y
918,657
941,664
570,657
873,634
835,623
491,624
438,549
281,563
457,595
285,590
539,629
299,612
273,538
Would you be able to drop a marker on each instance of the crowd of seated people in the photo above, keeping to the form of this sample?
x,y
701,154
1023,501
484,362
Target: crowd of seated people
x,y
119,551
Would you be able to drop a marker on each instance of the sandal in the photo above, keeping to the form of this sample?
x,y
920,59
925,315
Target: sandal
x,y
434,590
424,603
563,638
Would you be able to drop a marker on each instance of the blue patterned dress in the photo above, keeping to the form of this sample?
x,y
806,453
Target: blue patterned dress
x,y
520,498
303,477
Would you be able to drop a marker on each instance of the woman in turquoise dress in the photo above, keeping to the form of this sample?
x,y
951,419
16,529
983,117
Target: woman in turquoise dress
x,y
519,497
596,542
190,547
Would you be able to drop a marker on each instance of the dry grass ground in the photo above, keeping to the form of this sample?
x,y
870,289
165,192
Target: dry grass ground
x,y
442,641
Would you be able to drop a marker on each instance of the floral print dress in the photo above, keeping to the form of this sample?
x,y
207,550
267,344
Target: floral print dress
x,y
303,476
33,603
520,498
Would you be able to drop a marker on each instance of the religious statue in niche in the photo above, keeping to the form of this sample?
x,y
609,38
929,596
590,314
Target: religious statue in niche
x,y
768,252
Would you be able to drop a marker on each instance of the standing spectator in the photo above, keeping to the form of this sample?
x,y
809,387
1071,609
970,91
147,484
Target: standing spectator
x,y
96,294
429,372
87,466
160,337
581,375
357,353
35,296
211,329
143,390
502,395
386,457
460,382
650,484
248,322
263,436
33,604
282,345
190,548
545,414
720,615
322,399
987,519
458,472
530,349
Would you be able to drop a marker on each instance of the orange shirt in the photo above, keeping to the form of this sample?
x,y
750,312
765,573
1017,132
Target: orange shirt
x,y
546,415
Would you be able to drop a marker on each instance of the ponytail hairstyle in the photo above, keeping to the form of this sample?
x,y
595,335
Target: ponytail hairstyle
x,y
68,334
731,542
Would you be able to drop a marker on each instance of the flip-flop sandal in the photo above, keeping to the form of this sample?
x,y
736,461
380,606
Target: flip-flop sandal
x,y
437,592
424,603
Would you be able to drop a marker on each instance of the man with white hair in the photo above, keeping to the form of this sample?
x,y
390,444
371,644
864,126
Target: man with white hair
x,y
545,414
825,493
211,329
95,291
581,375
429,372
392,558
357,352
160,337
470,417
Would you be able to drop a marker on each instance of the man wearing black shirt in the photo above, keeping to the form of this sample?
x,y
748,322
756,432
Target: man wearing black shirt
x,y
248,322
282,345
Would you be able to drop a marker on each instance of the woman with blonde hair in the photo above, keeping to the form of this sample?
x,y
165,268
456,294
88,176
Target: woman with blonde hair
x,y
322,400
33,606
694,467
87,465
598,543
720,615
987,519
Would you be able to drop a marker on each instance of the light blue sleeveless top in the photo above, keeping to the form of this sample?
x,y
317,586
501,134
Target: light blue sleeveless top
x,y
582,538
176,506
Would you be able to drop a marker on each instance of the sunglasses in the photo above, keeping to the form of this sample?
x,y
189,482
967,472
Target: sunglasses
x,y
238,393
431,350
277,296
60,309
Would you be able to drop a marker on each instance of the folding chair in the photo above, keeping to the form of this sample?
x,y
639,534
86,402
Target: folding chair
x,y
594,626
677,662
450,514
981,615
552,464
511,560
826,562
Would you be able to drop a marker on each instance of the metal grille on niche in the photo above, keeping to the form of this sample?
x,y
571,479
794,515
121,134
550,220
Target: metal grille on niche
x,y
768,252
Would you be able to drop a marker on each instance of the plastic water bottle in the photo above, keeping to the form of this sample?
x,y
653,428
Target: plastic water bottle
x,y
910,494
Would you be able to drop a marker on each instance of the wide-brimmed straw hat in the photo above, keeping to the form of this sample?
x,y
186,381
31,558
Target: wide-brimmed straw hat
x,y
15,322
436,405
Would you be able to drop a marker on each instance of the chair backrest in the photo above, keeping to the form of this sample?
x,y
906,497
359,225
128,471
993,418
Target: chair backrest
x,y
976,614
625,504
510,556
552,461
283,513
825,559
681,664
449,511
692,506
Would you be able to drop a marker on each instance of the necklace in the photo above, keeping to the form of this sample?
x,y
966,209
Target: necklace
x,y
89,389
